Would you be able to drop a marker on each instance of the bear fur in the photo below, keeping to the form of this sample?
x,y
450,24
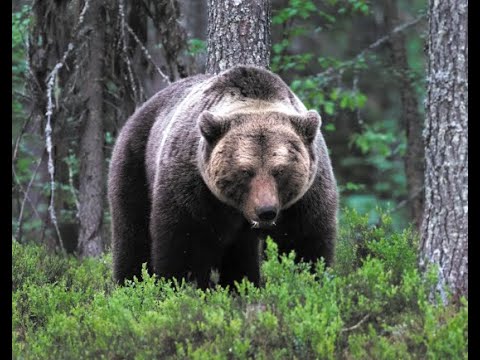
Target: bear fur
x,y
211,165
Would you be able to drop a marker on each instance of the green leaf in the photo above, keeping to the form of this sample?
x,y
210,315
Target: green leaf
x,y
360,100
334,94
329,107
196,46
329,127
23,164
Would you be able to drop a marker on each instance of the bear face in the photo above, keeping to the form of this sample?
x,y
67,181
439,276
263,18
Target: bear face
x,y
259,163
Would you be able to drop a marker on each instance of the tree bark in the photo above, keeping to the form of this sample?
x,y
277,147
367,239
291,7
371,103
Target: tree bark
x,y
195,15
50,20
410,118
238,34
91,194
445,226
172,36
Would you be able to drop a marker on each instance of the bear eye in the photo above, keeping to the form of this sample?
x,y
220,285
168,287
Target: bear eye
x,y
277,172
247,173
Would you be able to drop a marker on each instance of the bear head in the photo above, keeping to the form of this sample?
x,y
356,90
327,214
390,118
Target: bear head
x,y
260,162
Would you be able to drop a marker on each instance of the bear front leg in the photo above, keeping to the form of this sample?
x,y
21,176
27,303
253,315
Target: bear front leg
x,y
314,223
315,245
181,247
241,259
309,232
315,240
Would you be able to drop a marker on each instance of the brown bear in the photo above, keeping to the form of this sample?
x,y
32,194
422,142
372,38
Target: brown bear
x,y
208,167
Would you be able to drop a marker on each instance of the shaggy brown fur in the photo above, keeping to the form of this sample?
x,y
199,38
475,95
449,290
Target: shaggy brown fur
x,y
209,166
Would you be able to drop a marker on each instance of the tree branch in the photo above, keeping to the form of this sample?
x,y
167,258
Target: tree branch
x,y
48,139
147,54
125,52
48,127
406,201
387,37
376,43
25,198
19,138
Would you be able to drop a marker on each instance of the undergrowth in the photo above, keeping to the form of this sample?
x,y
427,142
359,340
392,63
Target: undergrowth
x,y
373,304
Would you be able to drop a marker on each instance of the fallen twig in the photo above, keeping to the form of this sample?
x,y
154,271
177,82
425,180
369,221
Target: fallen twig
x,y
357,325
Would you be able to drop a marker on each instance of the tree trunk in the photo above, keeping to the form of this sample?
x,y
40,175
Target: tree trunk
x,y
172,36
195,15
445,226
410,117
238,33
91,194
49,21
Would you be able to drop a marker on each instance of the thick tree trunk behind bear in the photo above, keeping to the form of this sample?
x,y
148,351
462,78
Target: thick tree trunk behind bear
x,y
238,34
445,223
91,194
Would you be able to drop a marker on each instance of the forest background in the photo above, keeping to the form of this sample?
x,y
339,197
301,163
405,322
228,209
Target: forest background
x,y
360,64
80,68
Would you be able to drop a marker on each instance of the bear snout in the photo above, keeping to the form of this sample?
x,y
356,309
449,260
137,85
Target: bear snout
x,y
262,206
267,213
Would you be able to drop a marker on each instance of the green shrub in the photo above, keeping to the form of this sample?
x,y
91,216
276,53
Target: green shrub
x,y
33,265
371,305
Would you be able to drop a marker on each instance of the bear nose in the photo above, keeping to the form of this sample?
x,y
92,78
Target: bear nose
x,y
266,213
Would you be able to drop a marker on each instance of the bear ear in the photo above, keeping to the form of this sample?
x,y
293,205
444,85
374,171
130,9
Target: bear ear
x,y
307,125
212,126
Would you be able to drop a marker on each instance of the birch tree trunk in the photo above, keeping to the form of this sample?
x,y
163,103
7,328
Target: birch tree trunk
x,y
91,194
445,226
238,34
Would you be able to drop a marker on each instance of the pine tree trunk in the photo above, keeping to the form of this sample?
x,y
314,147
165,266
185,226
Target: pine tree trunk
x,y
91,193
445,226
238,34
410,117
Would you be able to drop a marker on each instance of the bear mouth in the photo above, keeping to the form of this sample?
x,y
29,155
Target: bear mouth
x,y
262,224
